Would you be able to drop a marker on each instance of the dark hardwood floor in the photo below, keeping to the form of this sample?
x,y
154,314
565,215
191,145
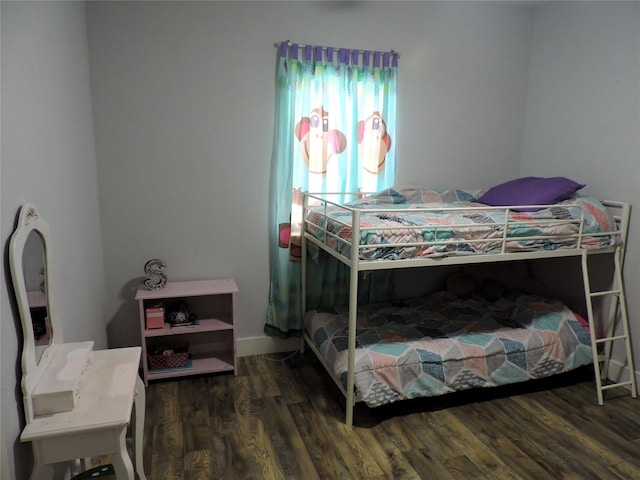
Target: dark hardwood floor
x,y
284,419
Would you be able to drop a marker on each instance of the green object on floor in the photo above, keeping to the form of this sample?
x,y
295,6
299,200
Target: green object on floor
x,y
97,472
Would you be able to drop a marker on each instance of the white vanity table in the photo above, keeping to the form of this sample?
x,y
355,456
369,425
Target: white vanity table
x,y
78,402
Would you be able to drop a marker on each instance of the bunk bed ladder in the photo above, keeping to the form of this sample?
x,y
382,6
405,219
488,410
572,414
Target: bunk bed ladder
x,y
602,345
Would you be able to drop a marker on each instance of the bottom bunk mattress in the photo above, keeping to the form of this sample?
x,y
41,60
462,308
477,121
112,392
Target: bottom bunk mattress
x,y
440,343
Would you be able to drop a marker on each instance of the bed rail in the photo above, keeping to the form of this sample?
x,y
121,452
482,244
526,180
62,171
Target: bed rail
x,y
333,226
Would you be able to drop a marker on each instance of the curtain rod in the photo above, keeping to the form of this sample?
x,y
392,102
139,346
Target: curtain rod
x,y
303,45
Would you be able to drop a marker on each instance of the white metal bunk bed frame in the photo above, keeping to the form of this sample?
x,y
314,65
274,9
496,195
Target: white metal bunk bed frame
x,y
620,212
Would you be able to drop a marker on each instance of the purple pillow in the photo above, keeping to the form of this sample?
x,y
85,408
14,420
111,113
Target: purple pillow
x,y
530,191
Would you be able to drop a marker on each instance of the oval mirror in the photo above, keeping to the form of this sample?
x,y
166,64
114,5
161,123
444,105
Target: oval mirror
x,y
30,269
34,268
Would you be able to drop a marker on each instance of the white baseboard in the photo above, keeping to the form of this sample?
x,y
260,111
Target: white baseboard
x,y
260,345
617,371
620,373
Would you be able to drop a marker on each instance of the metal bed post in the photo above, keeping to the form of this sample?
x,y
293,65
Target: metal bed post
x,y
622,222
622,301
303,272
617,308
353,313
592,327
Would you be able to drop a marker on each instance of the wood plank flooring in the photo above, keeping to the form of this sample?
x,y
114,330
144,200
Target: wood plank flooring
x,y
283,418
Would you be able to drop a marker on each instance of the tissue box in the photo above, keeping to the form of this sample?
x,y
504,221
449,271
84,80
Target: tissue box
x,y
59,387
155,318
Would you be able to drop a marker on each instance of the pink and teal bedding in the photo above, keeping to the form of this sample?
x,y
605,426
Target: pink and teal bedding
x,y
419,219
439,343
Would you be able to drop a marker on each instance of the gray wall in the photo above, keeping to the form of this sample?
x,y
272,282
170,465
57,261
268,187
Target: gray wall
x,y
184,106
48,159
583,110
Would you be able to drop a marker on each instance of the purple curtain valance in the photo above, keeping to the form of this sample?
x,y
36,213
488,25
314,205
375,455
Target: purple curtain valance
x,y
345,56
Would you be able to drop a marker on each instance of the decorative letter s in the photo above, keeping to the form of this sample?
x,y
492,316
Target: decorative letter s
x,y
158,279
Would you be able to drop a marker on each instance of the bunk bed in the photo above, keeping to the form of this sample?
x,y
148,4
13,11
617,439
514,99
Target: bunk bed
x,y
461,337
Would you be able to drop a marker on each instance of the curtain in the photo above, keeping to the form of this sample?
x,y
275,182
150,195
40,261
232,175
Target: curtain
x,y
334,130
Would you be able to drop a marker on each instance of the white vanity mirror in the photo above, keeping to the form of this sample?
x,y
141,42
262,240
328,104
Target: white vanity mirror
x,y
78,402
34,269
30,267
52,371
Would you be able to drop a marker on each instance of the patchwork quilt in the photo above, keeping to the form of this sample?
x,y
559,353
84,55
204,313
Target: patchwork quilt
x,y
440,343
419,219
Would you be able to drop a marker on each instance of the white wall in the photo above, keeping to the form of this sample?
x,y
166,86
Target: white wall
x,y
583,110
48,158
184,106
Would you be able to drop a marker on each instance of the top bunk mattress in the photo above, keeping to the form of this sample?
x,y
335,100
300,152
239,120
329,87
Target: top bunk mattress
x,y
411,222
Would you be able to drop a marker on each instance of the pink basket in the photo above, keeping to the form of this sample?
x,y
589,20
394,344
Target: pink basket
x,y
178,357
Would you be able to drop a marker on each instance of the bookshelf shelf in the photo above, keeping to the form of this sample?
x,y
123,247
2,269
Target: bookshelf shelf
x,y
211,341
